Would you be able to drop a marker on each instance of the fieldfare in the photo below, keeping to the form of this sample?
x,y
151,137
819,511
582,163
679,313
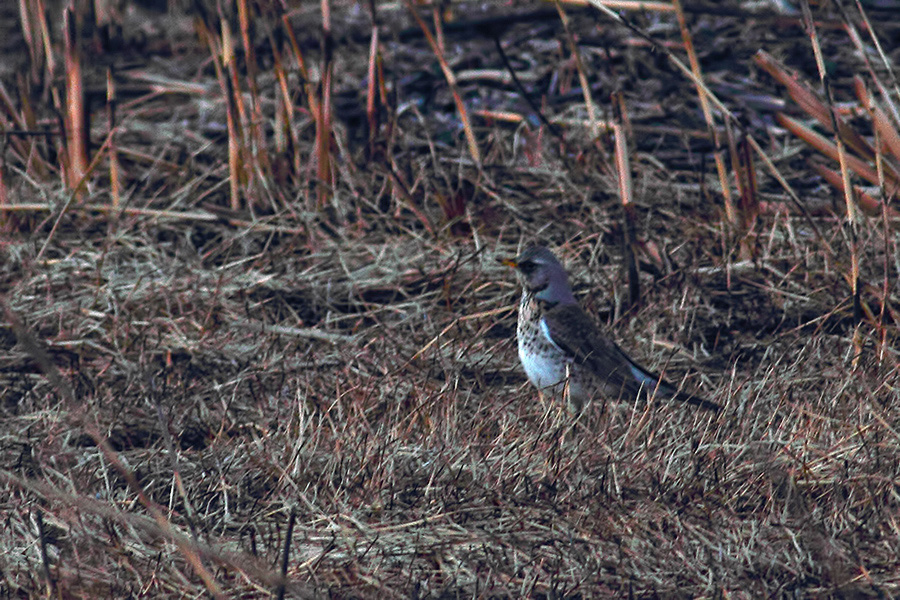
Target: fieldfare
x,y
563,351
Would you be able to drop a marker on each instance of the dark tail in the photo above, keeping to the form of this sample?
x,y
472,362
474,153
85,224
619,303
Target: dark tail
x,y
658,388
654,386
689,398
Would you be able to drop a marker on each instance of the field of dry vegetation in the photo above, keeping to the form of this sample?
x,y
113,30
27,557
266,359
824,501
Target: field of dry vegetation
x,y
256,341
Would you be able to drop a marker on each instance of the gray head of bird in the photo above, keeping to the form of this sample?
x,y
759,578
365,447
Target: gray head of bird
x,y
542,275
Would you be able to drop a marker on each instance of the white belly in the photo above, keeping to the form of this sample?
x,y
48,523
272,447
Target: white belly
x,y
553,375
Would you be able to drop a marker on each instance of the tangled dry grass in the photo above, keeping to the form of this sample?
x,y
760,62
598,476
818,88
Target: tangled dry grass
x,y
322,399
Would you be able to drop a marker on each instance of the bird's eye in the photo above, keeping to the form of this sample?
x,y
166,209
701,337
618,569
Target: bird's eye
x,y
527,266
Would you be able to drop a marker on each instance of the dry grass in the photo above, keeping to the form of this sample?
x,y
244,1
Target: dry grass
x,y
276,362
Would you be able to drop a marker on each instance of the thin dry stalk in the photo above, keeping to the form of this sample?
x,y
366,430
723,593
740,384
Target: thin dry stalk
x,y
21,134
219,53
250,62
737,220
593,124
853,213
75,193
43,24
474,152
886,137
438,13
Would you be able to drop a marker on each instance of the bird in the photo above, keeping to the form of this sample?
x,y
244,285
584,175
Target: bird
x,y
563,351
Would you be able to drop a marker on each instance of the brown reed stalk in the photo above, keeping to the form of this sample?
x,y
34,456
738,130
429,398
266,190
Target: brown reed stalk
x,y
35,30
312,101
324,182
250,55
626,195
886,129
747,209
747,184
286,163
76,118
4,192
870,206
372,87
831,150
114,168
33,38
377,95
258,164
41,12
437,18
239,148
808,101
221,54
301,62
889,99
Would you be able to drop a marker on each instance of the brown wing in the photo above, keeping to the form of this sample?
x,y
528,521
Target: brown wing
x,y
572,330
